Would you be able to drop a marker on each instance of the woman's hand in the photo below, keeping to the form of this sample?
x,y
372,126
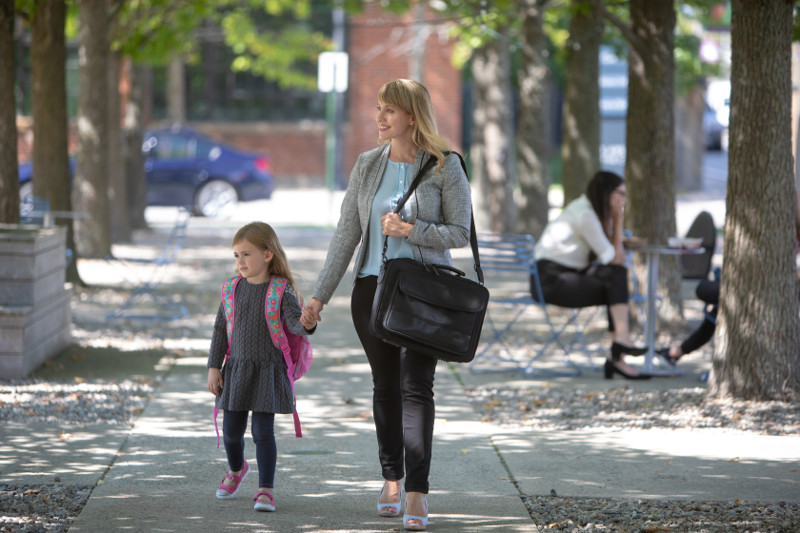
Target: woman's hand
x,y
214,381
393,226
617,203
311,313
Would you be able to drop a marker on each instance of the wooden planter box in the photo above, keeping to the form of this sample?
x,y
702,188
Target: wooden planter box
x,y
35,314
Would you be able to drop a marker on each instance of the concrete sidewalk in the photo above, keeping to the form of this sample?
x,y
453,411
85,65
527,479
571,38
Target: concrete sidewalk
x,y
168,467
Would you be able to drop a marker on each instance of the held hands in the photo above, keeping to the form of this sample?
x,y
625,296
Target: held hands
x,y
214,381
393,226
311,313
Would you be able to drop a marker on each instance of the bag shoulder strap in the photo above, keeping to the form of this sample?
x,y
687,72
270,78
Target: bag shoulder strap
x,y
473,236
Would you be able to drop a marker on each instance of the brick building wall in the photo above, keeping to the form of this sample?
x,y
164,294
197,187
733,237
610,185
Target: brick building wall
x,y
381,49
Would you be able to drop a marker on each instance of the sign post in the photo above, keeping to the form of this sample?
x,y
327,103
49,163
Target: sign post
x,y
332,78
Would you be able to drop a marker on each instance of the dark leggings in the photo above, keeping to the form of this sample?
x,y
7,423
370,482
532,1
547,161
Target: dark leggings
x,y
234,424
708,291
596,285
402,397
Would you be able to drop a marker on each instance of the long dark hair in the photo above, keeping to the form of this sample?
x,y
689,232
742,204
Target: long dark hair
x,y
599,190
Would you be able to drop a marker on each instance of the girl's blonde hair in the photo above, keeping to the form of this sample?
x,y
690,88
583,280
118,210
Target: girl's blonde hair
x,y
413,98
261,235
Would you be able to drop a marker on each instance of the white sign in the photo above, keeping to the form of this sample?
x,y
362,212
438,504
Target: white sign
x,y
332,72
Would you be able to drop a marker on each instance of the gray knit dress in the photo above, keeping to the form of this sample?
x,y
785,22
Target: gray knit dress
x,y
255,374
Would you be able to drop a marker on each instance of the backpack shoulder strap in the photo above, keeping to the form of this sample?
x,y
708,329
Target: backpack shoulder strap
x,y
229,303
286,341
272,309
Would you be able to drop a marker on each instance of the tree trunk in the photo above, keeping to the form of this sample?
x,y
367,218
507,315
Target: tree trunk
x,y
117,191
650,143
50,124
533,132
492,148
9,172
134,137
580,150
90,187
756,356
689,141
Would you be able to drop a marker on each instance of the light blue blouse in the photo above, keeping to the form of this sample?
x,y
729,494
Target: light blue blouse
x,y
394,183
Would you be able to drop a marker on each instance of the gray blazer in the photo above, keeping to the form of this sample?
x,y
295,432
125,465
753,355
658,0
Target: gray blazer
x,y
441,208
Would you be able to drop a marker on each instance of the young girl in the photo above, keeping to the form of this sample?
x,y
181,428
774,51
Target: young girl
x,y
255,376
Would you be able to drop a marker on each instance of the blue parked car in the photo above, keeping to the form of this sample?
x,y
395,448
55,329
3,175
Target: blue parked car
x,y
186,168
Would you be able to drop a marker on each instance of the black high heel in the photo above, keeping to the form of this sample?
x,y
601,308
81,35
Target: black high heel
x,y
610,368
617,349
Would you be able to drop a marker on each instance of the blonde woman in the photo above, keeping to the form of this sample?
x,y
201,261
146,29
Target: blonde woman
x,y
434,219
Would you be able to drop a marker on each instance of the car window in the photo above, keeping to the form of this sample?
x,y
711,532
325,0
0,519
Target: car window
x,y
166,146
204,149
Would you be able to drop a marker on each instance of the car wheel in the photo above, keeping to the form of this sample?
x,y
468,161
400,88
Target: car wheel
x,y
216,199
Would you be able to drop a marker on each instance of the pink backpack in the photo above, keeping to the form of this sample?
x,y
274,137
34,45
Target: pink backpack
x,y
296,349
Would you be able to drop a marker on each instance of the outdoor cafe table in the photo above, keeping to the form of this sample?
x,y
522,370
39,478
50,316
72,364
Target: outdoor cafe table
x,y
653,252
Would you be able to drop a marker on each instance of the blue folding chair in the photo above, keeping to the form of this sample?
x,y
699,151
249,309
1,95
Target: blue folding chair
x,y
148,301
35,210
514,254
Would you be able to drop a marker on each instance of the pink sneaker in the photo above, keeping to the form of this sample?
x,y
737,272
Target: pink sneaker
x,y
225,492
261,505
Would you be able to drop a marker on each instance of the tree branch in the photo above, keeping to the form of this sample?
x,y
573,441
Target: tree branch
x,y
633,39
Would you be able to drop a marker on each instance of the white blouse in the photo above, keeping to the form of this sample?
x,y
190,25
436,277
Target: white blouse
x,y
573,235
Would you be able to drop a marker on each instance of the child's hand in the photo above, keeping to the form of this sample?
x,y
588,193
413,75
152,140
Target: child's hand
x,y
311,313
214,381
308,322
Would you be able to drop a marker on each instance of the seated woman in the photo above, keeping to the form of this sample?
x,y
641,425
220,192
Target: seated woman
x,y
581,263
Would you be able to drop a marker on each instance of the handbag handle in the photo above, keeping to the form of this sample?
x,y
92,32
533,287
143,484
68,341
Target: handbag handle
x,y
473,239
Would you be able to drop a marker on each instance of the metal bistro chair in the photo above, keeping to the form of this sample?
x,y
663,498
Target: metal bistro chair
x,y
514,254
161,306
698,266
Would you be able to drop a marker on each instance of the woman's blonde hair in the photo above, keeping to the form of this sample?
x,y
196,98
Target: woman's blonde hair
x,y
413,98
261,235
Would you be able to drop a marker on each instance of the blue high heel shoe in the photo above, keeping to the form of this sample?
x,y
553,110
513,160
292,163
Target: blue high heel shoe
x,y
410,520
390,509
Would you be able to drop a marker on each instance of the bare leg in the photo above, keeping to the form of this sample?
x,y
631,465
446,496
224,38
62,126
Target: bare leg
x,y
621,334
416,505
390,492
